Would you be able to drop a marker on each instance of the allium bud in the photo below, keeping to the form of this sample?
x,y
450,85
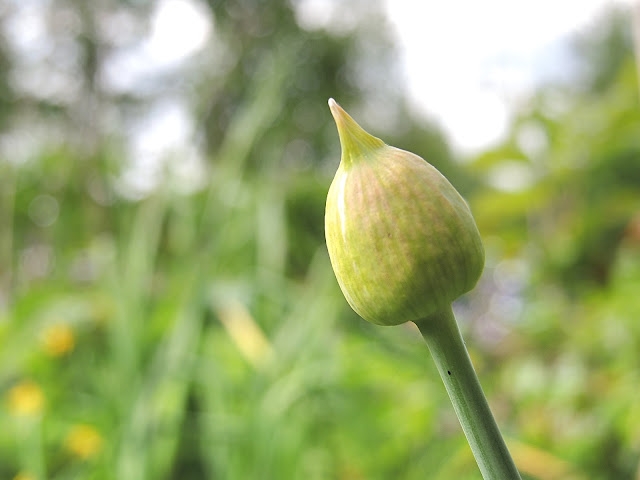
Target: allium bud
x,y
402,241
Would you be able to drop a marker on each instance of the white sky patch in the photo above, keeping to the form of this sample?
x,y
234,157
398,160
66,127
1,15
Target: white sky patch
x,y
313,14
161,138
26,29
468,63
179,28
167,127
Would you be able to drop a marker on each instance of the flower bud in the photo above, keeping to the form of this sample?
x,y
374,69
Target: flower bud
x,y
402,241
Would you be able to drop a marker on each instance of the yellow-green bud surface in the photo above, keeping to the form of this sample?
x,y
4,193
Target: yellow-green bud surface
x,y
402,241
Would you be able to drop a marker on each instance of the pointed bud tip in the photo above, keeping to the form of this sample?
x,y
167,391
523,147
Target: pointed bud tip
x,y
336,110
354,140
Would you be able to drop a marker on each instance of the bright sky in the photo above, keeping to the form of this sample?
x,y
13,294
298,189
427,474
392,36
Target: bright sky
x,y
467,63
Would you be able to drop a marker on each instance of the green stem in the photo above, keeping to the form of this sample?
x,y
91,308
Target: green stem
x,y
447,347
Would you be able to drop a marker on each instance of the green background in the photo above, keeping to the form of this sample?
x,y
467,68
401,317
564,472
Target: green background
x,y
195,330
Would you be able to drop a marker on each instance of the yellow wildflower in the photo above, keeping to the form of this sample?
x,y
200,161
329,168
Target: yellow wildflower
x,y
24,476
58,340
25,399
83,441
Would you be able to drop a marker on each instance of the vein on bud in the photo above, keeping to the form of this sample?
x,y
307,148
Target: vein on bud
x,y
355,142
341,207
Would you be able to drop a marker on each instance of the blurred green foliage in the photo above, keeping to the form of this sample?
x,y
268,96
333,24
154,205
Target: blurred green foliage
x,y
195,332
